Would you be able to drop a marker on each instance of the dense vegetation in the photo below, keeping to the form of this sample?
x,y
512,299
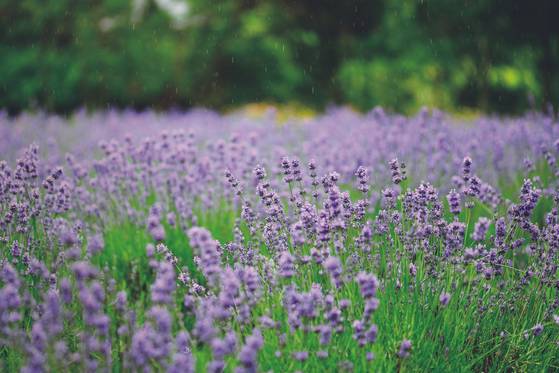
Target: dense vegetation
x,y
223,243
485,55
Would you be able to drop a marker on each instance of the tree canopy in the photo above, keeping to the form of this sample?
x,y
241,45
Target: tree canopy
x,y
488,55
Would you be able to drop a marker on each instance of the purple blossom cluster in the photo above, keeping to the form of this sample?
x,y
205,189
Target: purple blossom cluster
x,y
499,147
319,237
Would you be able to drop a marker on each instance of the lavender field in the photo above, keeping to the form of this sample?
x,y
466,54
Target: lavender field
x,y
196,241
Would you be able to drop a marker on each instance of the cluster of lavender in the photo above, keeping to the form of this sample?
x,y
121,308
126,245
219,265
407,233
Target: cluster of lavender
x,y
339,140
314,255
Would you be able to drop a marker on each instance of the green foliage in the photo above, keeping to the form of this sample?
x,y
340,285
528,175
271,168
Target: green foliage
x,y
455,55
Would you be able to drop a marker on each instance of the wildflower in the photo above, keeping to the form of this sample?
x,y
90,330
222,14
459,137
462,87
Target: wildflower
x,y
412,270
537,329
454,202
286,265
398,171
247,355
466,168
368,284
444,298
405,348
480,229
333,266
300,355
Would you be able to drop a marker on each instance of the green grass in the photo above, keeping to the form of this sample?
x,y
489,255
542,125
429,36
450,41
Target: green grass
x,y
455,338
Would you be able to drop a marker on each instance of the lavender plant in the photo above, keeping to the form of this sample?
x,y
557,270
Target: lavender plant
x,y
225,243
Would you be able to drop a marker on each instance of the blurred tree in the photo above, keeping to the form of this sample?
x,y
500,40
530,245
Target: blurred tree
x,y
493,34
535,25
454,54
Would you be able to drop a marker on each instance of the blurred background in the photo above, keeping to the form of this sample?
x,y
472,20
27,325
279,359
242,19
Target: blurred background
x,y
478,56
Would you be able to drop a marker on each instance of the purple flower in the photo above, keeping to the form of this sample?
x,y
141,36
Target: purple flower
x,y
537,329
121,301
412,270
444,298
398,171
371,334
259,172
95,244
368,284
333,266
480,229
466,168
300,355
363,177
16,251
209,250
454,202
286,264
500,232
84,271
165,283
322,354
405,349
248,354
325,334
